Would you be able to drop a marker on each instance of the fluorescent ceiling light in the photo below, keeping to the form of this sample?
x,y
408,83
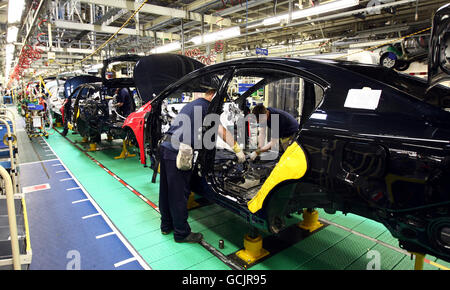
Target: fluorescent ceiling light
x,y
12,34
176,45
218,35
97,66
15,10
9,49
323,8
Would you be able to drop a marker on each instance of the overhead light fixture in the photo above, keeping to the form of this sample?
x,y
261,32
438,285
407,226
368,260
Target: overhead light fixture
x,y
9,49
12,34
218,35
176,45
322,8
15,10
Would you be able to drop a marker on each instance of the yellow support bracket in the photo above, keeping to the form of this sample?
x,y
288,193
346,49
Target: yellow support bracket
x,y
92,147
191,202
253,250
310,220
418,262
125,153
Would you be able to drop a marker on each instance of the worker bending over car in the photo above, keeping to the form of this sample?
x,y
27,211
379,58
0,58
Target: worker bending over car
x,y
176,155
124,102
288,127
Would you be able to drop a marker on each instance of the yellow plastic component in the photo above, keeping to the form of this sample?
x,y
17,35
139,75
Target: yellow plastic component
x,y
191,201
310,221
69,126
84,140
253,250
124,154
292,165
92,147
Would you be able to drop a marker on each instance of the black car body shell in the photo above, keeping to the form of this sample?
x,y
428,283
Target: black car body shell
x,y
405,140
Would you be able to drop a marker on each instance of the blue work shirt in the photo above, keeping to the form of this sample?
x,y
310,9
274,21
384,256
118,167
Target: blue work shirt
x,y
177,124
288,125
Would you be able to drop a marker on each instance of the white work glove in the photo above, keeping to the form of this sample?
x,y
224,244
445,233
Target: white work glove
x,y
240,155
254,154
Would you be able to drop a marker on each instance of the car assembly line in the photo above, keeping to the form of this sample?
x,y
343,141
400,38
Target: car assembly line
x,y
212,135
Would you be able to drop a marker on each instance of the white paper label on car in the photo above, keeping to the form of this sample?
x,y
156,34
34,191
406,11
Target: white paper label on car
x,y
364,98
319,116
37,122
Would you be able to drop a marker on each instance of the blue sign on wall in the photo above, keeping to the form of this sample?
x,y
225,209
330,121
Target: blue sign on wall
x,y
244,87
262,51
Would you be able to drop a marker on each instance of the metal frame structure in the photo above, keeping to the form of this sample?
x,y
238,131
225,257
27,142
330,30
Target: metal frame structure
x,y
75,28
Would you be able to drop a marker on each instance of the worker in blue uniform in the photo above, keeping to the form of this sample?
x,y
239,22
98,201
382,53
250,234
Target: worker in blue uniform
x,y
124,102
287,128
176,156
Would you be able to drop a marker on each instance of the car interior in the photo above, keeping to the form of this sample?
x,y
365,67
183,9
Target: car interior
x,y
247,88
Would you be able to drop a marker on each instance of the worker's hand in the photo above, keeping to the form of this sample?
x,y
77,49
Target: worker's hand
x,y
239,154
254,154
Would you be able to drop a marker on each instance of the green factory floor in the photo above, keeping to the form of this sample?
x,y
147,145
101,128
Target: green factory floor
x,y
333,247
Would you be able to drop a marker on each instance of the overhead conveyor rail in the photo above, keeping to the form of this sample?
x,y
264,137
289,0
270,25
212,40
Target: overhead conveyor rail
x,y
15,249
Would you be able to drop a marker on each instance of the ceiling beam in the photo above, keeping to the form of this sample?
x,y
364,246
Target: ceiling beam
x,y
111,29
160,10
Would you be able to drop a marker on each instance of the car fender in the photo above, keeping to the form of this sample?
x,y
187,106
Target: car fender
x,y
136,123
291,166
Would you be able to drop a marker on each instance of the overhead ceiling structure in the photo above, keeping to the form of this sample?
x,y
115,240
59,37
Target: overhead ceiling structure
x,y
76,34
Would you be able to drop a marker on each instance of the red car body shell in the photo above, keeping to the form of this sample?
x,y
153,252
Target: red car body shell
x,y
136,123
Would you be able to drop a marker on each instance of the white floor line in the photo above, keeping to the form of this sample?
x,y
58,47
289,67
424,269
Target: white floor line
x,y
91,215
81,200
124,241
65,179
121,263
35,162
56,165
105,235
73,188
61,171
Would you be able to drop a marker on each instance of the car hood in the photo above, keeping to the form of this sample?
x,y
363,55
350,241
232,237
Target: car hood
x,y
153,73
439,54
71,84
118,82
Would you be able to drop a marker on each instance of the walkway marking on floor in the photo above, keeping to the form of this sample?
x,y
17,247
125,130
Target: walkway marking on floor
x,y
73,188
81,200
35,162
91,215
66,179
34,188
121,263
54,165
119,235
61,171
105,235
129,187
